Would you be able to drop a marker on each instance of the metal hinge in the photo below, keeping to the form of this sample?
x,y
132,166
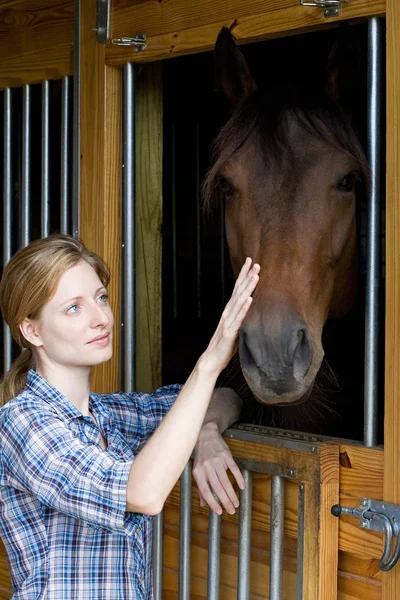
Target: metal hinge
x,y
378,516
138,42
331,7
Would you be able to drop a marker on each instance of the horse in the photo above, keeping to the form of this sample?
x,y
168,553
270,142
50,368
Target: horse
x,y
289,166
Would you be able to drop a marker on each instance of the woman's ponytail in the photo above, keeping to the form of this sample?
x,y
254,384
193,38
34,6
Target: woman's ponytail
x,y
14,380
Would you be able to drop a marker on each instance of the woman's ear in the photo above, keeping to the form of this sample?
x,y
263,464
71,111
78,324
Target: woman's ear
x,y
30,332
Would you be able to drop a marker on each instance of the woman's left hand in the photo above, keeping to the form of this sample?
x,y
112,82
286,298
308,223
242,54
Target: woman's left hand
x,y
212,461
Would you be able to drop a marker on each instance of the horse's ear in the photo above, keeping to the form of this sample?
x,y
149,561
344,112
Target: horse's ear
x,y
231,71
344,68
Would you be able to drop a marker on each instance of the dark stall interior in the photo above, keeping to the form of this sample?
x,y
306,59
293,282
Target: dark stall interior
x,y
197,278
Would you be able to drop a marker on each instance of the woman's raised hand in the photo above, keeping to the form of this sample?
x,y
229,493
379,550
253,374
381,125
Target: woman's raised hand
x,y
223,343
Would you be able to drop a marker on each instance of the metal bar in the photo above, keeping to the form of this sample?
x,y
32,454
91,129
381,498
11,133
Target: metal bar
x,y
375,43
64,179
26,168
222,251
174,228
76,126
7,213
185,524
277,522
128,354
198,223
244,558
45,193
158,556
214,541
300,544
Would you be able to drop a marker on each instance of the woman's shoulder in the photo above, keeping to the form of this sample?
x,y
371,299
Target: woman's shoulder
x,y
24,404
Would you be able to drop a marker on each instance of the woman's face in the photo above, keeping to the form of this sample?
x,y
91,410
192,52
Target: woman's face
x,y
75,326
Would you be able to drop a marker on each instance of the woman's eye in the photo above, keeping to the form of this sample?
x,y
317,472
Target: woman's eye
x,y
103,298
349,182
73,309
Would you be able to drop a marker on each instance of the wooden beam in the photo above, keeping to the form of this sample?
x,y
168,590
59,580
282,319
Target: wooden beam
x,y
100,180
391,580
187,26
149,157
36,41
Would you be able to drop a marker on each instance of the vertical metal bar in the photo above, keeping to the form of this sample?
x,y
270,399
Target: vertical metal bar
x,y
76,126
277,522
174,229
198,223
185,525
45,192
375,39
300,544
26,168
128,358
222,251
214,541
244,559
158,556
7,213
64,179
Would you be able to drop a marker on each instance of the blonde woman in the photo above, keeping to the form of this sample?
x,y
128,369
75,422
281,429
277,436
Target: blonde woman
x,y
81,474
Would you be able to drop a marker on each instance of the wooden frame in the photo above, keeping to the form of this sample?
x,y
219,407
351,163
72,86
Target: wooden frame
x,y
36,42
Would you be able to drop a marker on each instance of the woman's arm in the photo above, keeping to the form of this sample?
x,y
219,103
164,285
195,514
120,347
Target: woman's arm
x,y
212,457
160,463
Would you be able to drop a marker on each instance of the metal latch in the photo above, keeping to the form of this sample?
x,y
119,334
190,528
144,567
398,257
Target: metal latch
x,y
102,28
138,42
331,7
378,516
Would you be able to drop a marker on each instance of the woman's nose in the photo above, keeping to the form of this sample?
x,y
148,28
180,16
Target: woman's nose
x,y
99,317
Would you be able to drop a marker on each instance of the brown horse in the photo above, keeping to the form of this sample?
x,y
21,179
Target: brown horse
x,y
288,164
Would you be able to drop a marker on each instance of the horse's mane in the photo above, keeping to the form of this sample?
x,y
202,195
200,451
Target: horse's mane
x,y
269,116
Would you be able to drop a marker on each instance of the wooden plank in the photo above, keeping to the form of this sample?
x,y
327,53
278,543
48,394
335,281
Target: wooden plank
x,y
149,157
391,580
183,26
36,41
100,201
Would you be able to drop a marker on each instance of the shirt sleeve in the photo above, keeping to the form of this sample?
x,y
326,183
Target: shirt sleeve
x,y
139,414
41,456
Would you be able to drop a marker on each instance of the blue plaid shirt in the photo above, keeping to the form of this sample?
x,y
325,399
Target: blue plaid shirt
x,y
63,516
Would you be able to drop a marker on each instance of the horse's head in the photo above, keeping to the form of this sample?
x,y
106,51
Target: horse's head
x,y
287,165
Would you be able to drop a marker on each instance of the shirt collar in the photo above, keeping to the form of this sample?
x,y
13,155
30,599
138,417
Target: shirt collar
x,y
39,386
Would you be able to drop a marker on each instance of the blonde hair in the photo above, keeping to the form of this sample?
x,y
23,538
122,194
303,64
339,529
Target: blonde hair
x,y
29,281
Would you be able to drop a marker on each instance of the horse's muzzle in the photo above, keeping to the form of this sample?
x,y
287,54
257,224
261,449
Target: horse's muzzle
x,y
276,361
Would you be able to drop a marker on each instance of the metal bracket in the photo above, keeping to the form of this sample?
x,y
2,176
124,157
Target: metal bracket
x,y
377,516
138,42
102,28
331,7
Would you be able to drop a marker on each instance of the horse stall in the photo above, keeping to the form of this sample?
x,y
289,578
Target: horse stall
x,y
109,110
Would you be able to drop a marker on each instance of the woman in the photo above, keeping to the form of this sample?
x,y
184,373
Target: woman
x,y
81,474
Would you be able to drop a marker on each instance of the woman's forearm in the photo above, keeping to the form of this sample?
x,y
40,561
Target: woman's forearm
x,y
160,463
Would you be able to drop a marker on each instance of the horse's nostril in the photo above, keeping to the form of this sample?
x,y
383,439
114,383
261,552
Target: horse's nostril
x,y
303,354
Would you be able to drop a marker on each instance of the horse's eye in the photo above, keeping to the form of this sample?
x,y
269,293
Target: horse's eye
x,y
349,182
225,186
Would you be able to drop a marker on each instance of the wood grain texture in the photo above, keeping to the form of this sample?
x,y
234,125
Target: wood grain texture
x,y
358,578
100,182
149,157
36,41
391,580
183,27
